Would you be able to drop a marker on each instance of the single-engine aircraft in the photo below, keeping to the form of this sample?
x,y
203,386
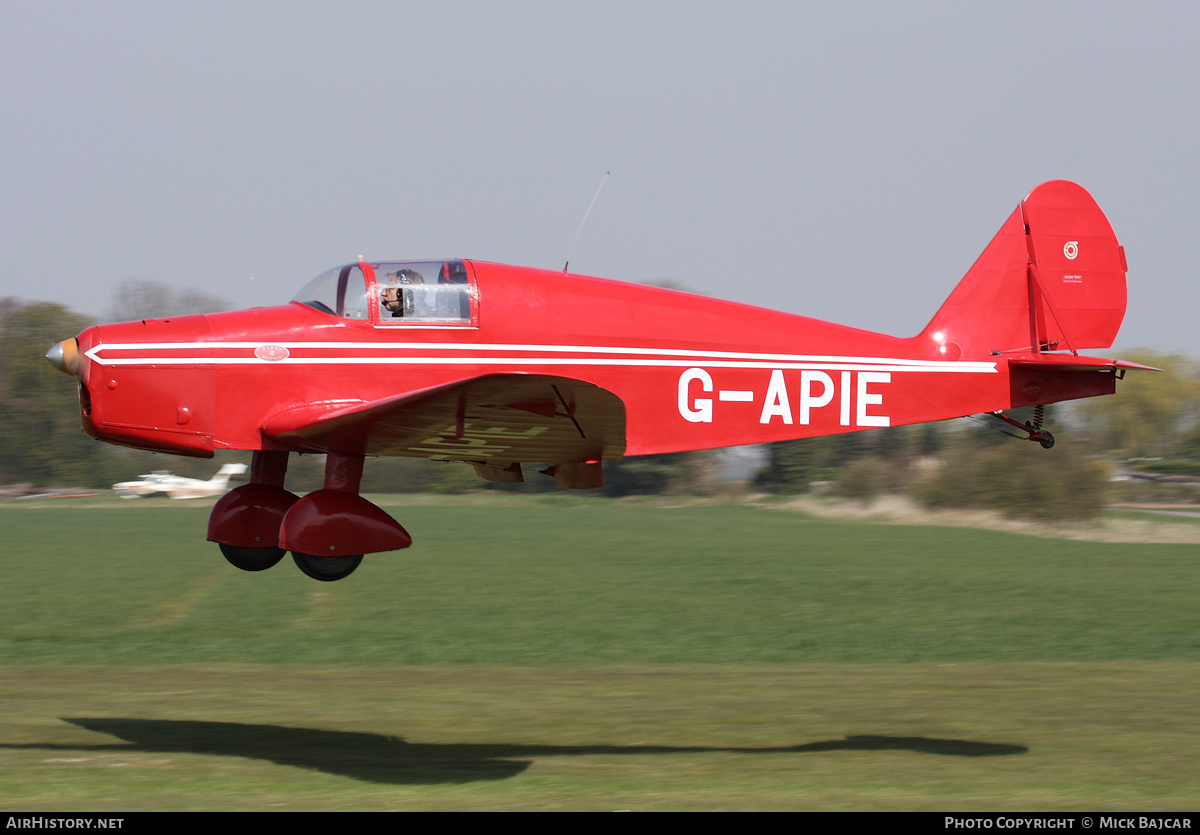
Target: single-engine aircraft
x,y
502,366
177,486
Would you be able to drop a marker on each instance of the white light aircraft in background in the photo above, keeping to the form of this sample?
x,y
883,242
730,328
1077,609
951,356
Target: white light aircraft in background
x,y
178,487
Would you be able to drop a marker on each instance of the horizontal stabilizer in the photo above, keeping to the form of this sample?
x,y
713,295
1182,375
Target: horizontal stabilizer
x,y
1072,362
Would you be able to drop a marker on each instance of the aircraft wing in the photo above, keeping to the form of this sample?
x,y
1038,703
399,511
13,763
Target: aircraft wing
x,y
493,419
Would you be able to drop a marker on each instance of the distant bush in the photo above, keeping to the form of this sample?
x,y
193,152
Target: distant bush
x,y
863,479
794,466
1020,480
454,477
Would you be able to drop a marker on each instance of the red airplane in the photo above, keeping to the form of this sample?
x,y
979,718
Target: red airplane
x,y
500,366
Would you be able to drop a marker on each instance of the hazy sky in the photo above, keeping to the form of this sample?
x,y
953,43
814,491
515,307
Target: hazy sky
x,y
846,161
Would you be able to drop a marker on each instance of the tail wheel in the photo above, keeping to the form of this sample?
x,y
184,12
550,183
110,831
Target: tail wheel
x,y
252,559
327,568
1032,428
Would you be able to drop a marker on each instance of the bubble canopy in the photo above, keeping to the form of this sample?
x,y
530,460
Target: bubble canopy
x,y
394,292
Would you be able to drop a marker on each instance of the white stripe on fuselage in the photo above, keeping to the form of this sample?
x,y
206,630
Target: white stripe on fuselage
x,y
584,355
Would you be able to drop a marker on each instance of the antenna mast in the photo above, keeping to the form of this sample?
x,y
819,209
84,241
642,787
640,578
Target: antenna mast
x,y
585,217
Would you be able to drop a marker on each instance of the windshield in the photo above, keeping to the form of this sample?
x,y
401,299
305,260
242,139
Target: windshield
x,y
341,291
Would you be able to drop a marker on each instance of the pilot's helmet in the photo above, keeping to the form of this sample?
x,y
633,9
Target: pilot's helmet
x,y
406,277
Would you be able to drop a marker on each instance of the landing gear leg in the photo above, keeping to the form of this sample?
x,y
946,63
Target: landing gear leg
x,y
245,521
328,531
1032,428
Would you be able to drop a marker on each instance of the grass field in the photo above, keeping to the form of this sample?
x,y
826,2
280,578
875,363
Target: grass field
x,y
558,653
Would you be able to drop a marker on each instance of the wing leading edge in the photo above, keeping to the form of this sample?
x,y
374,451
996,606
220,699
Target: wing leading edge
x,y
493,421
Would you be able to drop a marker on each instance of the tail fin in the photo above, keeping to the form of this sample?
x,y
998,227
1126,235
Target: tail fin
x,y
1052,279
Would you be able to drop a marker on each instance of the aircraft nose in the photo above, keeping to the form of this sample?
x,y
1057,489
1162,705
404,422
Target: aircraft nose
x,y
65,356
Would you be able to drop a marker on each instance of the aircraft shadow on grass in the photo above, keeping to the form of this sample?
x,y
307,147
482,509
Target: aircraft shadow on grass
x,y
384,759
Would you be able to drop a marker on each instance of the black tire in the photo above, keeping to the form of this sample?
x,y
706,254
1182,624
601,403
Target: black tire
x,y
252,559
327,569
1047,440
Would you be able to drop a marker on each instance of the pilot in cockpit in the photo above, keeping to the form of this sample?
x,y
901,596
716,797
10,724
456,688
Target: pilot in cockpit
x,y
399,297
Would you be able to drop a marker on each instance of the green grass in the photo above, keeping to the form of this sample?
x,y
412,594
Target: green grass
x,y
558,653
590,582
1000,737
